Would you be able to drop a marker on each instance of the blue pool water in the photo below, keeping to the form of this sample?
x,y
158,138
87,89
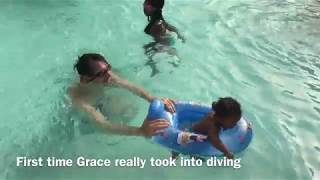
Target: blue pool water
x,y
263,53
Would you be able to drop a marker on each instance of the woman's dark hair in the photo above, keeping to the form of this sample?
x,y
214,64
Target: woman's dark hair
x,y
226,107
85,63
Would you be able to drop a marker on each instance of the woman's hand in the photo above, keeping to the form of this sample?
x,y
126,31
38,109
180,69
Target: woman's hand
x,y
154,127
169,105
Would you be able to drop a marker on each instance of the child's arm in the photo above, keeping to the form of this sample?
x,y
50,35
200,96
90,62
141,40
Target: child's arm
x,y
214,138
174,29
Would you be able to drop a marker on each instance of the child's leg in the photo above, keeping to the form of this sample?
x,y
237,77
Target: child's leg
x,y
152,64
174,155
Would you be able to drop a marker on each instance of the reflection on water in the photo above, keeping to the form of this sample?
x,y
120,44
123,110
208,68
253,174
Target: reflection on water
x,y
266,54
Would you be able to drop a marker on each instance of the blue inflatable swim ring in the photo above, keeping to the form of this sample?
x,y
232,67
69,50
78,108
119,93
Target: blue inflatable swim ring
x,y
235,139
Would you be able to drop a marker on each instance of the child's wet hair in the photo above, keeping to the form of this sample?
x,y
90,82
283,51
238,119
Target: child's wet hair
x,y
85,63
158,4
157,15
227,107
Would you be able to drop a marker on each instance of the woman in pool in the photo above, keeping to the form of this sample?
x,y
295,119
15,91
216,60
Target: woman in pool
x,y
95,74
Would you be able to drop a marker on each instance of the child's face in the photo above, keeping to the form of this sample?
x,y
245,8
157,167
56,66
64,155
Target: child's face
x,y
228,122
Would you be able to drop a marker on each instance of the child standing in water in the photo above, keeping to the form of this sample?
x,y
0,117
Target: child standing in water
x,y
161,31
226,113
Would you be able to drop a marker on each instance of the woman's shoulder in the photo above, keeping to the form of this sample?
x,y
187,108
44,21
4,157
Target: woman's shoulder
x,y
73,89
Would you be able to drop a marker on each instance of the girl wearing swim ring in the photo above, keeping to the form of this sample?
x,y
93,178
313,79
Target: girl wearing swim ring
x,y
226,113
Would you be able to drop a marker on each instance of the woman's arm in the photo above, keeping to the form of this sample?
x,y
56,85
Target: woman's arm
x,y
117,81
148,128
169,104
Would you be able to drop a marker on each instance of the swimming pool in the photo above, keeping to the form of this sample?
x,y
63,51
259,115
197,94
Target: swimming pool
x,y
263,53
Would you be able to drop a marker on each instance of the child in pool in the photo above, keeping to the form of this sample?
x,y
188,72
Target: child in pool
x,y
163,35
226,113
159,29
